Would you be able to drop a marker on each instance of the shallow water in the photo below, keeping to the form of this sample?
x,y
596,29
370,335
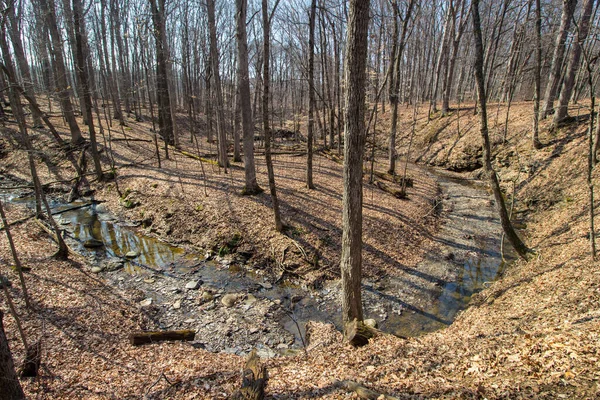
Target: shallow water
x,y
473,240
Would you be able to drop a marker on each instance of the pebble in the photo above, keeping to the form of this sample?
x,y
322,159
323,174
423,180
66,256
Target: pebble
x,y
150,281
266,285
370,323
193,285
132,254
177,305
146,302
206,297
229,300
189,320
96,270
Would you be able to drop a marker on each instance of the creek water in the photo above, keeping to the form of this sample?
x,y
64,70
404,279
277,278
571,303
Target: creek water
x,y
422,299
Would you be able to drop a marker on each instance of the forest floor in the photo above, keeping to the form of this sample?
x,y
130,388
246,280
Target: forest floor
x,y
532,334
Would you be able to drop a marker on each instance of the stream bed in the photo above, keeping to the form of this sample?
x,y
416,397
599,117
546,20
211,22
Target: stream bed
x,y
234,308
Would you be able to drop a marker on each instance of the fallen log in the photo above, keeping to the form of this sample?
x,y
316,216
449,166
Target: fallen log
x,y
364,392
393,178
399,194
139,338
254,380
131,140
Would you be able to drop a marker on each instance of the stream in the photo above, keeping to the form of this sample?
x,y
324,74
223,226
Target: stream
x,y
234,308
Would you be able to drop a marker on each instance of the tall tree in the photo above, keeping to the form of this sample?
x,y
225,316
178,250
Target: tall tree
x,y
265,109
10,387
251,186
354,147
557,59
165,118
396,93
582,31
62,86
311,95
216,75
81,66
509,230
537,75
15,36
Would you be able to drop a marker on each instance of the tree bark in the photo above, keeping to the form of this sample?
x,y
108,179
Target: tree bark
x,y
582,32
265,112
354,146
165,119
538,75
79,27
557,59
62,86
251,186
511,234
311,95
10,387
216,75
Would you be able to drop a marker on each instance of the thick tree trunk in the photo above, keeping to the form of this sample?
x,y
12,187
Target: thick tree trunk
x,y
582,32
511,234
10,387
251,186
354,146
557,59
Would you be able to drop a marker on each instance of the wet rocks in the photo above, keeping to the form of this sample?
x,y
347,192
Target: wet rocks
x,y
132,254
193,285
93,243
230,299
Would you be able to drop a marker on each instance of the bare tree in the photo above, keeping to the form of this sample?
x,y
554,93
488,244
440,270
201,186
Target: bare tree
x,y
311,95
64,92
507,226
354,146
557,59
216,75
265,109
582,31
537,75
251,186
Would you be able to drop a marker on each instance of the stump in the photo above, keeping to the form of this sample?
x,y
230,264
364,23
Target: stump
x,y
254,380
33,359
358,334
139,338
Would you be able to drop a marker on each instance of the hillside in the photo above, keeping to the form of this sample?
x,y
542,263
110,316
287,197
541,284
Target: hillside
x,y
532,334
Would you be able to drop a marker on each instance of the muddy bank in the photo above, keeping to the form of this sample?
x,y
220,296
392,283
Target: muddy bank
x,y
234,307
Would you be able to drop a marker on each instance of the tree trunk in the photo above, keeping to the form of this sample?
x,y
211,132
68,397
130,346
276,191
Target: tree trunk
x,y
165,118
62,86
557,59
251,186
582,32
511,234
216,75
79,28
354,146
396,94
311,95
15,37
265,112
538,75
10,387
